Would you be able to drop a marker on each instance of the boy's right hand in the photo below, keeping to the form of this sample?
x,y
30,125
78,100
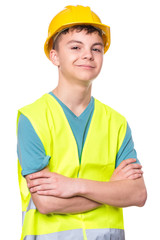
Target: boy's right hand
x,y
127,169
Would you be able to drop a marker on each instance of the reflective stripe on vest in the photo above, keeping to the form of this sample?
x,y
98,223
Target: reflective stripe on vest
x,y
104,139
30,206
92,234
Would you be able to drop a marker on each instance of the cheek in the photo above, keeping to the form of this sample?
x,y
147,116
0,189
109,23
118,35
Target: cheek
x,y
68,59
100,63
63,63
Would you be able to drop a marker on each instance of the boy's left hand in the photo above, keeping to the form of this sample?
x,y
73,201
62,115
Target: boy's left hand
x,y
127,169
52,184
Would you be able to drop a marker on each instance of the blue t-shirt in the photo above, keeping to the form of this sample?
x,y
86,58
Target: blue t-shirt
x,y
31,152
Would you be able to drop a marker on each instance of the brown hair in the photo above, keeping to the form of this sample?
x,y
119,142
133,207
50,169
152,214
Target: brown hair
x,y
88,28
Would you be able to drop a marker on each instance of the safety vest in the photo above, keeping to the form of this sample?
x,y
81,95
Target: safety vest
x,y
104,139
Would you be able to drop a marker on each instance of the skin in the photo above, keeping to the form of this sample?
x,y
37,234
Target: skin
x,y
126,180
79,59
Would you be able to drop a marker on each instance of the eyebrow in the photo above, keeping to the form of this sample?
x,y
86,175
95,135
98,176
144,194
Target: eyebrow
x,y
76,41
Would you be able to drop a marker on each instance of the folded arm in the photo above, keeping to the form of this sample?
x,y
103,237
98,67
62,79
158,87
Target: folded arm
x,y
125,188
51,204
122,193
69,195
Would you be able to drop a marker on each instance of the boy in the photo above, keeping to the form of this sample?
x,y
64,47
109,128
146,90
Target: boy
x,y
75,153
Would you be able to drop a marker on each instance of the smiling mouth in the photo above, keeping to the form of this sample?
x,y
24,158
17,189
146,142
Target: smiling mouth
x,y
85,66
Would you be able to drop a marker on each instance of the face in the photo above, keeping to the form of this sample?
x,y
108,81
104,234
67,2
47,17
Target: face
x,y
79,55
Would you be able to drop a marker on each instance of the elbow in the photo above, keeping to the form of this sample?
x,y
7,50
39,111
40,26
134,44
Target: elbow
x,y
44,207
42,210
41,205
142,198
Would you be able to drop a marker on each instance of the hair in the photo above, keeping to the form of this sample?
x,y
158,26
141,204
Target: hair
x,y
88,28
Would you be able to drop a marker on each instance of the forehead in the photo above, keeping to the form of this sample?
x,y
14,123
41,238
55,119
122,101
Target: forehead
x,y
83,36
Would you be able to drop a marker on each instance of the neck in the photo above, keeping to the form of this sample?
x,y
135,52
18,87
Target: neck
x,y
74,96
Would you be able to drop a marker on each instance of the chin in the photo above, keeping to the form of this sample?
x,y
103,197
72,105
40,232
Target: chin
x,y
86,77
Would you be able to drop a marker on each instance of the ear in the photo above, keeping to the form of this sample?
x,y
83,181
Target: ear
x,y
54,57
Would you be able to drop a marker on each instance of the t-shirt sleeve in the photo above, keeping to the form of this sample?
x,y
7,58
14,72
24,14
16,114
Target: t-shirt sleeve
x,y
127,148
30,150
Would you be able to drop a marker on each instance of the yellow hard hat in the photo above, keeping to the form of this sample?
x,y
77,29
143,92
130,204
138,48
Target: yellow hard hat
x,y
75,15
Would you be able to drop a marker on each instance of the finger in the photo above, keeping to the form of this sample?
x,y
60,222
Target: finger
x,y
132,166
37,182
135,176
133,172
43,187
47,193
126,162
41,174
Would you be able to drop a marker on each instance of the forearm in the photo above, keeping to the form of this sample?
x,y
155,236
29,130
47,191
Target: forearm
x,y
122,193
69,205
54,204
51,204
118,193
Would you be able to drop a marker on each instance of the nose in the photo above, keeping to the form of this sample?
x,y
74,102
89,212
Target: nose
x,y
88,54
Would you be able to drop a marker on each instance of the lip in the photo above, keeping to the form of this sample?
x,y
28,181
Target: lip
x,y
85,66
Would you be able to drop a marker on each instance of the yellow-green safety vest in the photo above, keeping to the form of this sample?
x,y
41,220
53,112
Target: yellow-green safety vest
x,y
104,139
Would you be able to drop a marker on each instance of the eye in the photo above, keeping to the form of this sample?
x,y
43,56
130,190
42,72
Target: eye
x,y
97,50
75,48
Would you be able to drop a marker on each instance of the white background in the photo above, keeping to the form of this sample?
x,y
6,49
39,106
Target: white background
x,y
129,83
